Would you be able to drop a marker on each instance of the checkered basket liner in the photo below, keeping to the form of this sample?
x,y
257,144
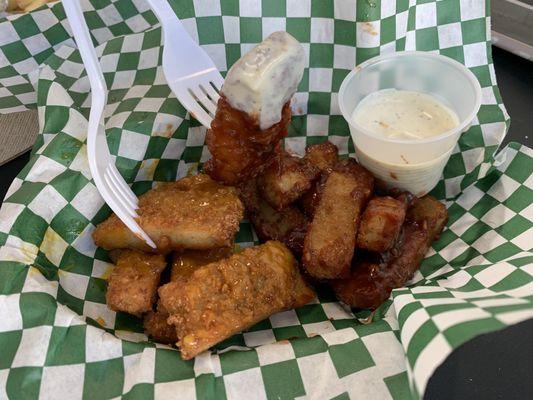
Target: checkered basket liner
x,y
58,338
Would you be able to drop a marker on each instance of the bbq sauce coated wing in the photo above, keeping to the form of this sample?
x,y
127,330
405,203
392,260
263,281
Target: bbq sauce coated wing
x,y
381,223
225,297
239,148
132,285
371,281
192,213
285,180
287,226
183,265
323,156
330,240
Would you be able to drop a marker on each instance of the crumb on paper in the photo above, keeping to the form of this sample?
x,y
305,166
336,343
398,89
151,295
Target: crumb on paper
x,y
404,159
369,28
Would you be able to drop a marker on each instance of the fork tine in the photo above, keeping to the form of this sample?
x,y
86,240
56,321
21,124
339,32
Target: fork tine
x,y
190,103
118,195
127,202
218,81
126,190
114,202
211,92
201,96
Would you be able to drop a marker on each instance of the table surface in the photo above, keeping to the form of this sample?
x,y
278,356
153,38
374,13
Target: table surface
x,y
492,366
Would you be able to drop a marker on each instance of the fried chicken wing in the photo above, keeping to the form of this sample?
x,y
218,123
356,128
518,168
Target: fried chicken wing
x,y
186,262
183,265
381,223
156,326
132,285
371,281
239,148
285,180
253,111
323,156
192,213
287,226
225,297
330,240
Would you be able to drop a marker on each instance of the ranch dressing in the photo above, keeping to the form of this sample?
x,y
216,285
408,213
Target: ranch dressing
x,y
404,114
265,78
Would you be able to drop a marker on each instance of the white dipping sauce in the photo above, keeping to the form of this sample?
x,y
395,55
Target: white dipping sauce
x,y
265,78
404,114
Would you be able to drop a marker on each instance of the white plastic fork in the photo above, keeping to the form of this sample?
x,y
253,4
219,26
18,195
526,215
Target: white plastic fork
x,y
116,193
189,71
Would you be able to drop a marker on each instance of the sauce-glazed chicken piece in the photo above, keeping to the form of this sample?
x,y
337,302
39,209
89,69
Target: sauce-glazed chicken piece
x,y
285,180
330,240
372,281
323,156
194,212
253,111
183,265
381,223
132,285
287,226
230,295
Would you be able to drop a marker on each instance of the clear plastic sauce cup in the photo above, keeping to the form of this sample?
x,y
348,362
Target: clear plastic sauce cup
x,y
414,165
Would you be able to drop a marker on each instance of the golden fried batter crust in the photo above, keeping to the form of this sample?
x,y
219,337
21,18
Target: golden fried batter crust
x,y
156,326
183,265
192,213
225,297
330,240
132,285
186,262
285,180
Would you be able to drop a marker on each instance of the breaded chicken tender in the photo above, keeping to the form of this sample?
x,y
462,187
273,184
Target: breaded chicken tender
x,y
228,296
183,265
132,285
287,226
192,213
381,223
330,240
371,281
285,180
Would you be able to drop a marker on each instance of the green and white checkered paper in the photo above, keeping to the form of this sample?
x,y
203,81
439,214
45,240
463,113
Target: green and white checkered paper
x,y
58,338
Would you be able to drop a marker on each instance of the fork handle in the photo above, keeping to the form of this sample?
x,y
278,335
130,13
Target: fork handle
x,y
171,25
87,51
165,13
